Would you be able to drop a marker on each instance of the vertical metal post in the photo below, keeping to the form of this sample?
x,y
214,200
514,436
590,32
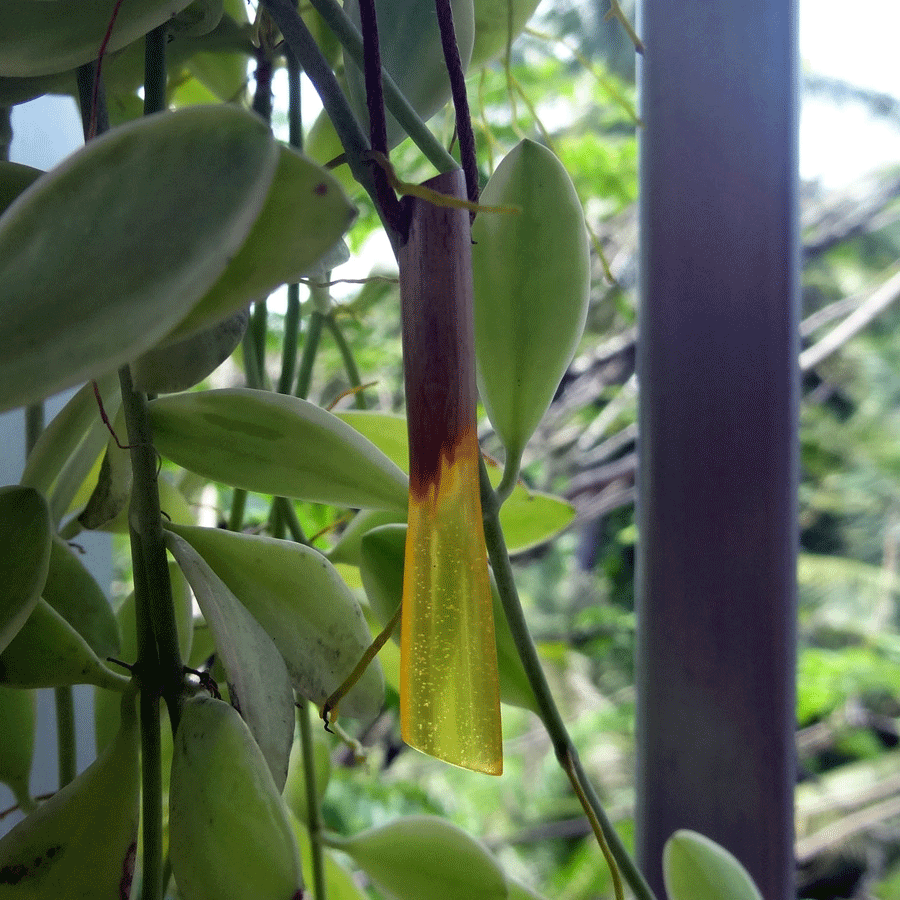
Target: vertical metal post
x,y
718,432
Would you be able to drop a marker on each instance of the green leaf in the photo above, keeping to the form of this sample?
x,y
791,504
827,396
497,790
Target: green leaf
x,y
497,24
39,38
304,215
89,281
259,686
25,534
301,602
14,178
66,432
48,652
696,868
387,431
528,318
275,444
423,857
347,549
73,592
532,518
339,883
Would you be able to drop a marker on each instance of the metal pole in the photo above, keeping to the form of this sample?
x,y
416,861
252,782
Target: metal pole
x,y
718,432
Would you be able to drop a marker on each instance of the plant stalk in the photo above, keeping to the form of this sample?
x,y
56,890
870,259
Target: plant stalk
x,y
350,366
65,734
563,747
313,814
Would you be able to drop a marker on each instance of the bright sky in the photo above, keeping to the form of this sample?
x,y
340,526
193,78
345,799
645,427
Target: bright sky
x,y
856,41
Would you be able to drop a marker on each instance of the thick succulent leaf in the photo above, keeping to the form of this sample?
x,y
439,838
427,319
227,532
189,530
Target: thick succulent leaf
x,y
301,602
304,216
275,444
48,652
528,317
423,857
25,535
42,38
347,549
259,686
179,365
529,518
339,883
497,24
87,281
110,495
74,593
14,178
66,432
387,431
696,868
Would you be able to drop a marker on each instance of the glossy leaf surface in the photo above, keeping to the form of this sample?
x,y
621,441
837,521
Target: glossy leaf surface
x,y
304,216
195,180
696,868
423,857
25,533
39,38
258,683
286,447
530,311
301,602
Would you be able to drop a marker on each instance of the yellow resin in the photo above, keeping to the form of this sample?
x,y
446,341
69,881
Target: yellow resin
x,y
449,687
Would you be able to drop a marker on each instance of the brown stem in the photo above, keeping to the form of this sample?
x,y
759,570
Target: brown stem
x,y
460,100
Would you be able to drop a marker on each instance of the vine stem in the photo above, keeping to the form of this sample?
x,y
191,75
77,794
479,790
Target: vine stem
x,y
65,734
306,51
350,366
563,747
313,814
351,40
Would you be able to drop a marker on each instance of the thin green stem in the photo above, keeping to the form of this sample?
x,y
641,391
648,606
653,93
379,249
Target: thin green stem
x,y
351,40
563,747
147,522
236,514
290,521
303,46
6,132
313,815
291,336
310,348
34,425
259,324
510,477
151,739
155,70
65,734
349,362
252,367
295,118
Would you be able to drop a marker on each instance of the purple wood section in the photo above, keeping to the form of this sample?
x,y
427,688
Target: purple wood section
x,y
438,339
718,432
